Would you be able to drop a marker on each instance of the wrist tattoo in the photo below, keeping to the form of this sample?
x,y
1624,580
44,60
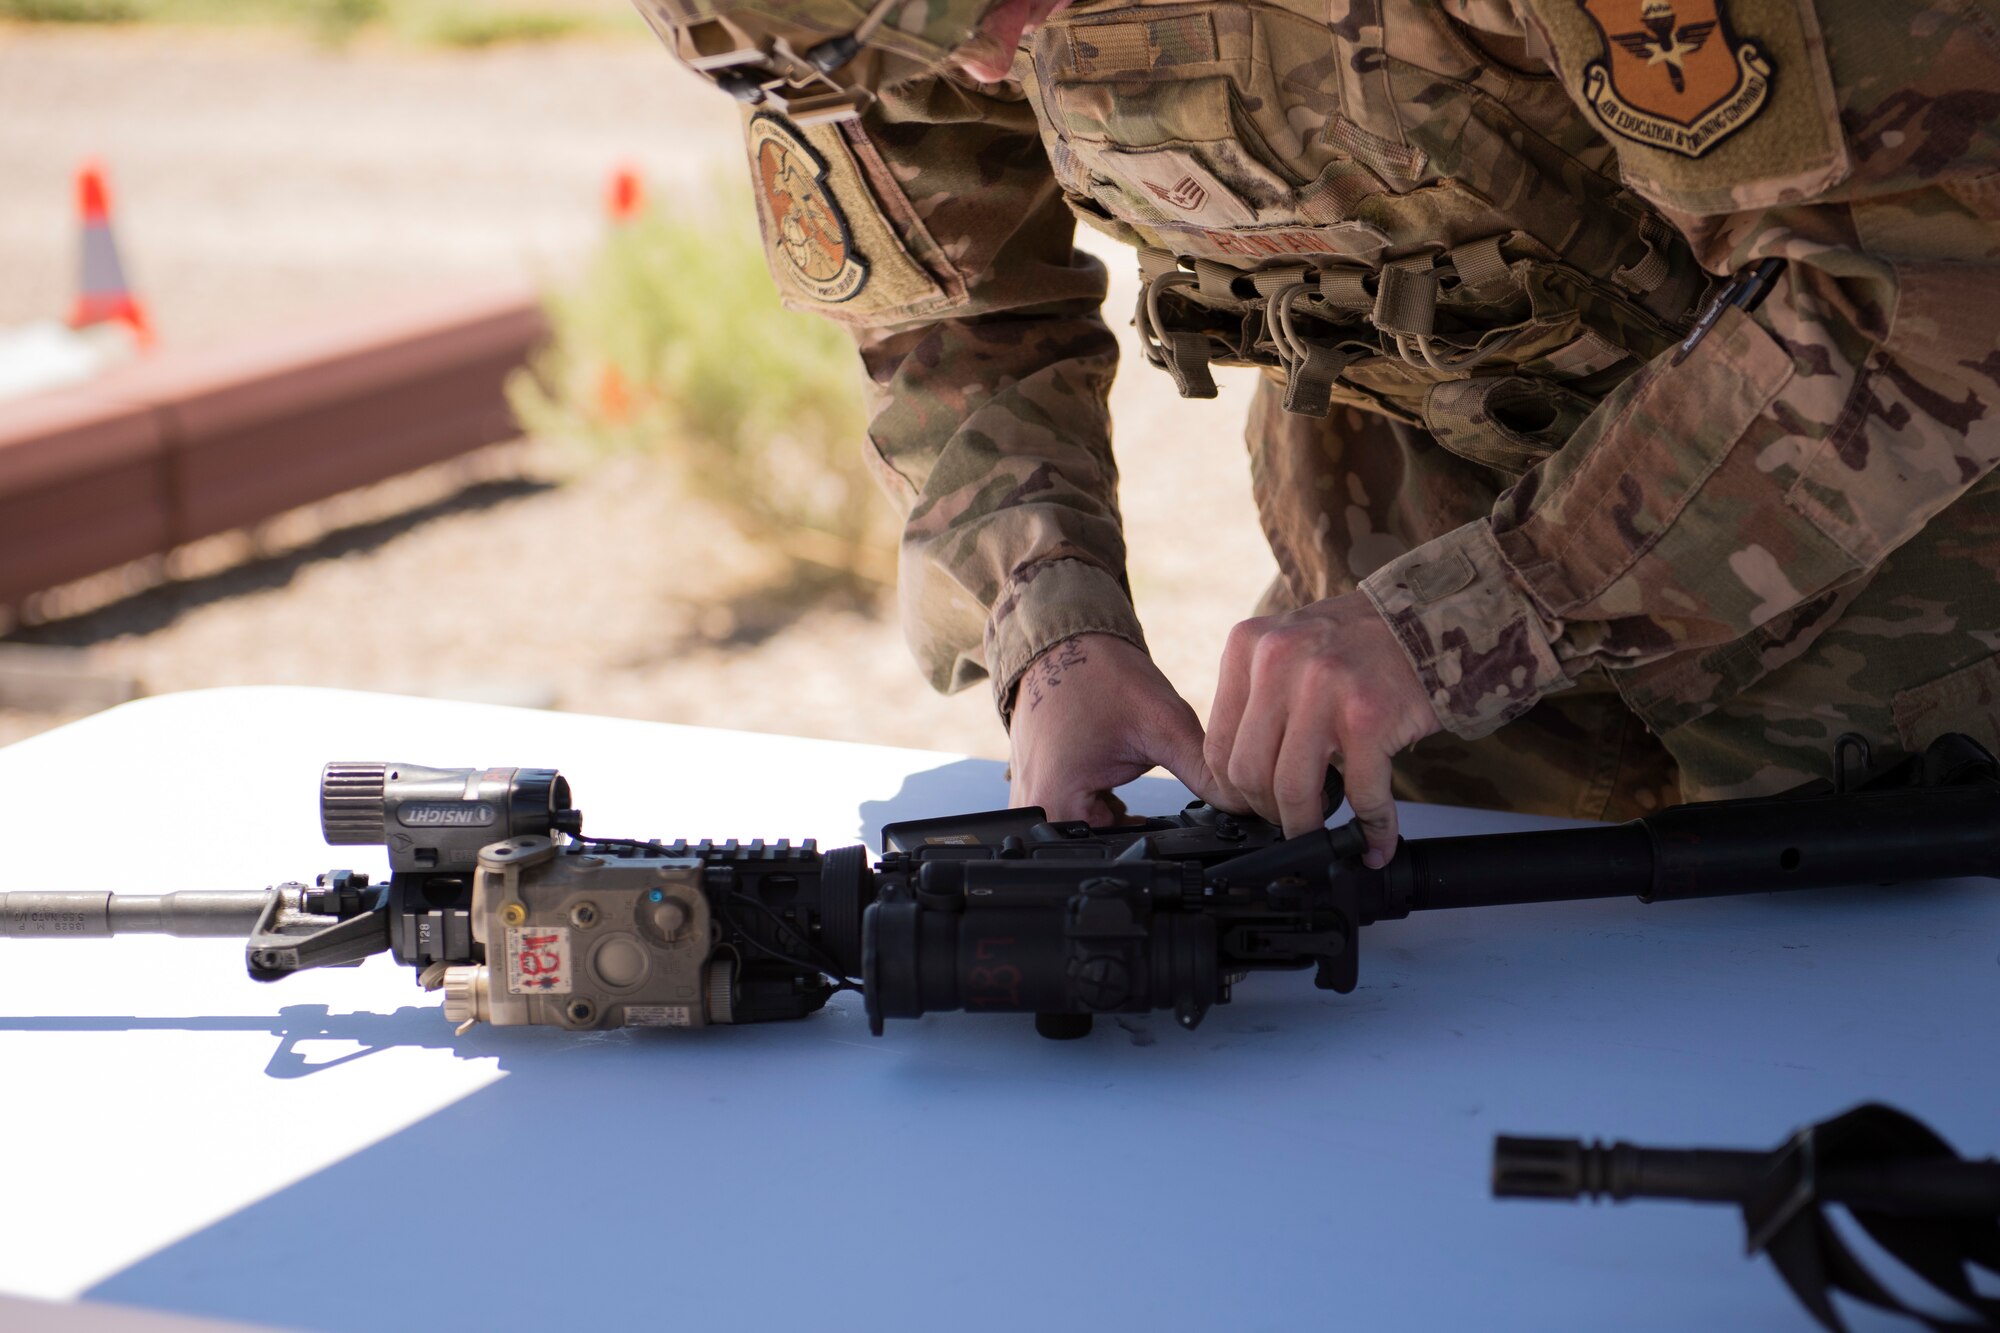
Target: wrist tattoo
x,y
1048,670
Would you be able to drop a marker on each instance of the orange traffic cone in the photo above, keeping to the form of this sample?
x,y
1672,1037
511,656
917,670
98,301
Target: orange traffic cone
x,y
624,200
614,399
626,197
103,295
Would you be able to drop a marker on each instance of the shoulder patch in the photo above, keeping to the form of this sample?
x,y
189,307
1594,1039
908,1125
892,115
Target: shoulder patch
x,y
830,245
1714,105
810,240
1673,75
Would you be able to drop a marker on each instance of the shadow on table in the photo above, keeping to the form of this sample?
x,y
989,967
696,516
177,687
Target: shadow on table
x,y
297,1027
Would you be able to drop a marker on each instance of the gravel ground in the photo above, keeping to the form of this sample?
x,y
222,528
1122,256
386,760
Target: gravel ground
x,y
259,179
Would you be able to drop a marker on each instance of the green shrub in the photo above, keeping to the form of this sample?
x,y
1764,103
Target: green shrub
x,y
674,342
330,20
70,11
475,26
337,21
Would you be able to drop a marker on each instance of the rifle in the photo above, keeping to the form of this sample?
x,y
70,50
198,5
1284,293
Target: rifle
x,y
1902,1184
497,896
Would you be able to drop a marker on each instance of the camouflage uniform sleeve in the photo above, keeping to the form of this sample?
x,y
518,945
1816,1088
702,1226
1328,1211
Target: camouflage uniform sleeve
x,y
1709,507
988,367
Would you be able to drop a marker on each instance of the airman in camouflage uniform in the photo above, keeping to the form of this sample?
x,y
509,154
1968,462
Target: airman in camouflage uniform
x,y
1471,244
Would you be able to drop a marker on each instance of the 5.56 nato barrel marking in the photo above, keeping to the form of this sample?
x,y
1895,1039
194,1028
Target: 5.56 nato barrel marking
x,y
36,921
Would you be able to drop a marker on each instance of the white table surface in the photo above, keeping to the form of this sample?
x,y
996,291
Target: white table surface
x,y
323,1154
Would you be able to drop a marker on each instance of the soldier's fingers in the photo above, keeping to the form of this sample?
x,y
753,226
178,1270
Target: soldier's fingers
x,y
1034,785
1299,780
1254,757
1067,803
1225,715
1367,772
988,55
1176,744
1114,811
1104,810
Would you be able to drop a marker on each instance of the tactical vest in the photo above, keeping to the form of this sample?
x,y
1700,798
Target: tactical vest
x,y
1383,212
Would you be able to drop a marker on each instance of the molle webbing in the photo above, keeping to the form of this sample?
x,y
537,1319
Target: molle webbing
x,y
1480,264
1317,323
1406,301
1660,286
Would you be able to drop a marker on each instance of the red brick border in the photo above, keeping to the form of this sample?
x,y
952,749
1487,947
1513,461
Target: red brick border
x,y
180,445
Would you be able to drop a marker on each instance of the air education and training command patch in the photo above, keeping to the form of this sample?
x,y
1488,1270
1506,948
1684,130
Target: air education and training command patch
x,y
808,232
1675,76
1704,121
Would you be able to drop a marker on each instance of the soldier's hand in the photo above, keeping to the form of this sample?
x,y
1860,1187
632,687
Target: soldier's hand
x,y
1323,684
989,56
1093,713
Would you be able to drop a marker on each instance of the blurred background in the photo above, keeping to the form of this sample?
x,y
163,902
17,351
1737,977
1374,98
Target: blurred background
x,y
671,520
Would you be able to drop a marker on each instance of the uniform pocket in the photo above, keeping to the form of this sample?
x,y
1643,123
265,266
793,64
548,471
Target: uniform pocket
x,y
1172,150
1914,433
1966,700
1655,513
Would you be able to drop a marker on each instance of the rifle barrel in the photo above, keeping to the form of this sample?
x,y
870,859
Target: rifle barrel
x,y
1715,849
197,913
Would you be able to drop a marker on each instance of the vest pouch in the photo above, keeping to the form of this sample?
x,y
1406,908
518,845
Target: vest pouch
x,y
1099,219
1218,131
1506,422
1613,328
1169,151
1539,321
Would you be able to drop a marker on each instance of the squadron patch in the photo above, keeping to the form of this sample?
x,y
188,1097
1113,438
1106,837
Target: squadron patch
x,y
808,232
1674,76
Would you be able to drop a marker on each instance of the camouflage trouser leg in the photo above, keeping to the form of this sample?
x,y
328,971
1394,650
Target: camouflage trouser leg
x,y
1340,497
1912,656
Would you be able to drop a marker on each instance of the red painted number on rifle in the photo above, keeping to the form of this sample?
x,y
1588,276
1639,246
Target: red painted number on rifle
x,y
537,956
997,986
